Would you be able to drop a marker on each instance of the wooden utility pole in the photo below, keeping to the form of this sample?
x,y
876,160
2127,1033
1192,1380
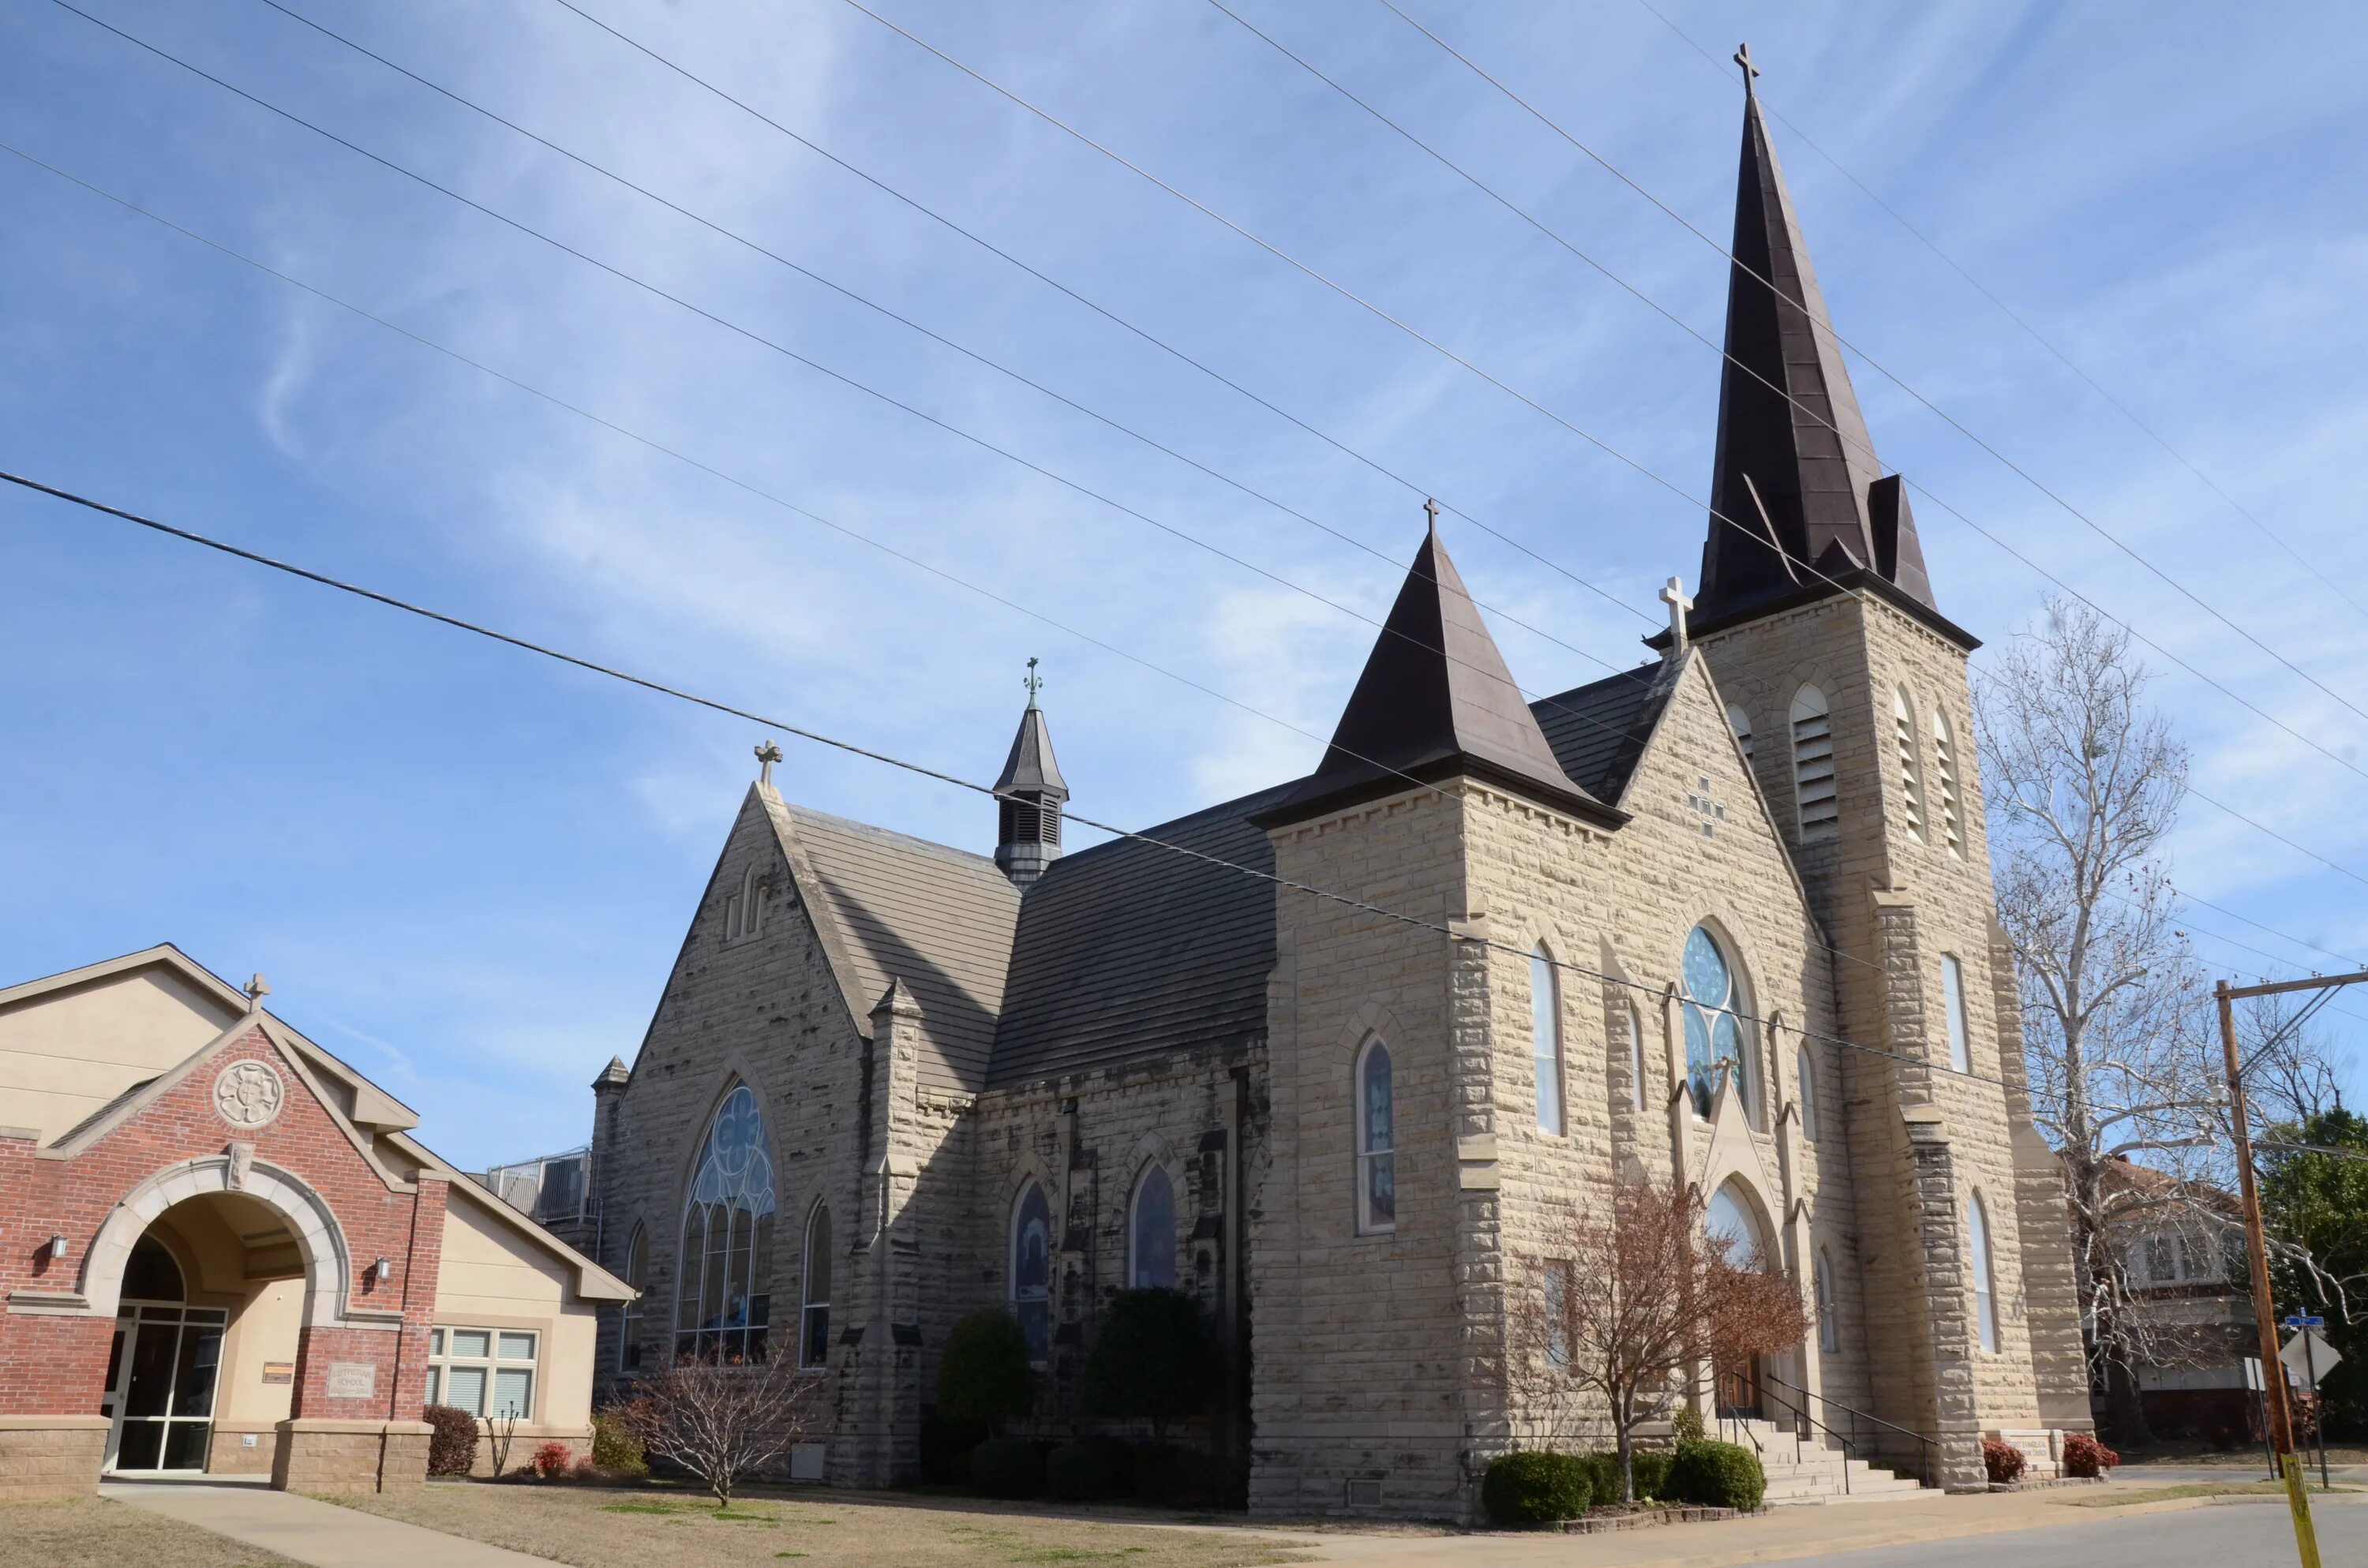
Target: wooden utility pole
x,y
2265,1314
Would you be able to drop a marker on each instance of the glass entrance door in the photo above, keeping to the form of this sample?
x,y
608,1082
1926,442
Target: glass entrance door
x,y
161,1390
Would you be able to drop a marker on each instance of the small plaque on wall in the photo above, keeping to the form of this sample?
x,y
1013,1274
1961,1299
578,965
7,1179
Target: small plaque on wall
x,y
279,1371
352,1380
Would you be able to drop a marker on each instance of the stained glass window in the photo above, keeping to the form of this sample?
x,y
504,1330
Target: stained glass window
x,y
725,1296
1032,1270
1714,1034
1151,1232
1377,1181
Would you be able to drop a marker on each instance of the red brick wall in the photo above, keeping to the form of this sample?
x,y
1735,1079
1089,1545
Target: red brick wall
x,y
56,1366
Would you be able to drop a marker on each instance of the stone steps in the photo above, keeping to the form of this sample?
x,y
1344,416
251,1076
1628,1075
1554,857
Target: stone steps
x,y
1805,1471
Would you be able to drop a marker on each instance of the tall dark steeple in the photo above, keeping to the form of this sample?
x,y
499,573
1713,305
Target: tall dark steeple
x,y
1795,467
1028,796
1435,702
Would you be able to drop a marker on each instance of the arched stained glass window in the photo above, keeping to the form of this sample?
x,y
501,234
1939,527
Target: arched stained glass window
x,y
1978,1242
1377,1182
1151,1232
724,1299
1830,1328
1032,1270
813,1316
637,1275
1713,1033
1734,1217
1545,1038
1807,1070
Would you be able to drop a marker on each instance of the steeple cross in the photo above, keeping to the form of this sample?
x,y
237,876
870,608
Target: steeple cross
x,y
766,755
1743,58
1431,510
1673,594
1033,682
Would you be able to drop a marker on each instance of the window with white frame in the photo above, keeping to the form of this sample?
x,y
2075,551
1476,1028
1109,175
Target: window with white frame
x,y
488,1372
1151,1232
1812,766
1032,1270
1377,1185
1545,1038
1977,1243
813,1314
1953,997
629,1316
1740,722
1830,1328
1805,1067
1911,781
1944,767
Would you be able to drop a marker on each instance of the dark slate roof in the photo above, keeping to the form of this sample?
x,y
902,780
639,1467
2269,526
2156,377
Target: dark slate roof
x,y
1598,730
937,918
1031,767
1129,950
1434,700
1793,454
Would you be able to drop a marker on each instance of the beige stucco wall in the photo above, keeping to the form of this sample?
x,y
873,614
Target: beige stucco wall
x,y
493,1276
64,1054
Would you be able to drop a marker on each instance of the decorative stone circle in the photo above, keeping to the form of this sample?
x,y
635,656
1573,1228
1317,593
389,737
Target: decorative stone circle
x,y
248,1093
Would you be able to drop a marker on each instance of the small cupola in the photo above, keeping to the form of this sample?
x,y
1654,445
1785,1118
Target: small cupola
x,y
1029,795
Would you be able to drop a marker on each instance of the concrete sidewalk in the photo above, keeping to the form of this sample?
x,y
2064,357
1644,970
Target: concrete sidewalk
x,y
309,1532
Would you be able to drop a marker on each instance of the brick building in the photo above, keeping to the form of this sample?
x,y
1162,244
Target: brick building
x,y
221,1250
890,1081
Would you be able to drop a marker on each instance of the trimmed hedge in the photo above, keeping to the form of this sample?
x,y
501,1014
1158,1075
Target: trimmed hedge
x,y
452,1448
1083,1473
1007,1467
2001,1459
1652,1476
2084,1456
1528,1487
1717,1475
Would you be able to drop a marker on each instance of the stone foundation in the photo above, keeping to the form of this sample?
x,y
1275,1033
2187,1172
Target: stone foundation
x,y
51,1456
350,1456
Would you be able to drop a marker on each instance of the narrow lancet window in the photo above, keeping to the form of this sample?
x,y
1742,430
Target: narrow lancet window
x,y
1545,1040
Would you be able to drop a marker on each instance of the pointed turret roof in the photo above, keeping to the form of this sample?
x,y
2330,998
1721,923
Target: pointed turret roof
x,y
1435,702
1793,453
1030,769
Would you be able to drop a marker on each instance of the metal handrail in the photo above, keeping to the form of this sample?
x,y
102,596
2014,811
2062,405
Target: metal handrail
x,y
1857,1414
1802,1413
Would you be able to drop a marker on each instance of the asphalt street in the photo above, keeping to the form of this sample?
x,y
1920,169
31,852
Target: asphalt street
x,y
2228,1534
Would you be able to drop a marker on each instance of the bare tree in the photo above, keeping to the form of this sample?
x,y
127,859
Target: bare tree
x,y
2291,1072
2084,783
1640,1295
723,1421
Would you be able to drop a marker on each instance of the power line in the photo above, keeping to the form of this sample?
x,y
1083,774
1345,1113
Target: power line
x,y
2018,318
594,666
1753,273
1532,403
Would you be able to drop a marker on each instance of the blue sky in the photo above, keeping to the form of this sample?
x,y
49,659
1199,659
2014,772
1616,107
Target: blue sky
x,y
469,871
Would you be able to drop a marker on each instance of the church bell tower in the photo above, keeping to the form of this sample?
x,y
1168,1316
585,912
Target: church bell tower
x,y
1848,689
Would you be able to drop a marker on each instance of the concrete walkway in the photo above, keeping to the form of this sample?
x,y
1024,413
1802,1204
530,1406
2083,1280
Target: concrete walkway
x,y
309,1532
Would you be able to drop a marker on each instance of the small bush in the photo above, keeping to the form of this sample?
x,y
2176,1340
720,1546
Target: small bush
x,y
983,1375
552,1460
615,1450
1652,1475
2084,1456
1716,1475
587,1468
1527,1487
1151,1359
452,1449
2002,1460
1687,1424
1007,1467
1083,1473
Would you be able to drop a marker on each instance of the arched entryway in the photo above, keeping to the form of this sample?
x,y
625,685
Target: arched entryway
x,y
1733,1215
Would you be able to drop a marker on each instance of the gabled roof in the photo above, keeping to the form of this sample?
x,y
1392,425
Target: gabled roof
x,y
1796,490
1434,701
902,908
1598,731
1129,950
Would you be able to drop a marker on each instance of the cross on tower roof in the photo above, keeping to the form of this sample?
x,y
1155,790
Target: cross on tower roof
x,y
1743,58
1033,682
1431,510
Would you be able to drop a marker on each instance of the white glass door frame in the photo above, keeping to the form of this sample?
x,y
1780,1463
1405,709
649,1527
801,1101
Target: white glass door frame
x,y
135,1320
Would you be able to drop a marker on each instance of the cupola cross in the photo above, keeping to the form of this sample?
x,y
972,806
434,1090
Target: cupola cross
x,y
1673,594
766,755
1033,682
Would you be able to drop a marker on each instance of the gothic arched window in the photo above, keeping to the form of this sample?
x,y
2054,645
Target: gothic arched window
x,y
1032,1270
1151,1232
1740,722
1545,1038
1812,766
814,1315
1731,1216
629,1316
1807,1070
1377,1185
1713,1033
1830,1328
1952,998
1977,1243
1911,775
724,1298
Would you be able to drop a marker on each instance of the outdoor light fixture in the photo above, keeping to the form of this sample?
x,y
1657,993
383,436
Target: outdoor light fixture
x,y
57,1248
385,1267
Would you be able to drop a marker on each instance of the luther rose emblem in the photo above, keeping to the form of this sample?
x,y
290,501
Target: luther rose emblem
x,y
248,1093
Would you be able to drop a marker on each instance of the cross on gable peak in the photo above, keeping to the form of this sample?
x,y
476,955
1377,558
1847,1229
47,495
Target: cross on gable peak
x,y
1673,594
766,755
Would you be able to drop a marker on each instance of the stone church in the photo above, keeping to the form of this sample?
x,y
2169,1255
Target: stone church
x,y
1725,917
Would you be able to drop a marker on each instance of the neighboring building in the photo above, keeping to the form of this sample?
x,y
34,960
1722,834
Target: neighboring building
x,y
556,1192
890,1081
221,1250
2180,1248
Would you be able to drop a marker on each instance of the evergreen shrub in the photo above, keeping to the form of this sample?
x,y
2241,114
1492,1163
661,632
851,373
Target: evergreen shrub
x,y
1528,1487
1008,1468
1716,1475
614,1449
1084,1472
984,1375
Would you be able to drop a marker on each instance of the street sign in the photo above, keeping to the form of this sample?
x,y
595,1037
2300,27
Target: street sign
x,y
2309,1357
2304,1320
2253,1373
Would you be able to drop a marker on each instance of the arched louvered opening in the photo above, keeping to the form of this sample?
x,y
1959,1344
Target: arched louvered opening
x,y
1812,766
